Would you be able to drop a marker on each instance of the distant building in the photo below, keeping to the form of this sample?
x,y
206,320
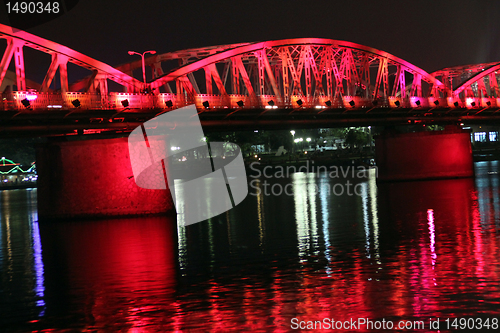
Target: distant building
x,y
484,135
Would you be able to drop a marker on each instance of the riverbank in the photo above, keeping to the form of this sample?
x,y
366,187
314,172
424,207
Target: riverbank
x,y
17,186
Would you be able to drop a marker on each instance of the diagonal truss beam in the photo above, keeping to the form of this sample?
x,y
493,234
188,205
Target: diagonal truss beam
x,y
60,62
14,50
16,39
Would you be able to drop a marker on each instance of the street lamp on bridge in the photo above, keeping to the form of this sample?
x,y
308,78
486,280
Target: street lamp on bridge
x,y
143,65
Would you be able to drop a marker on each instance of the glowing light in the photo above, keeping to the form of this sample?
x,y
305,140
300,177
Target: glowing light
x,y
308,139
256,156
175,148
292,132
31,97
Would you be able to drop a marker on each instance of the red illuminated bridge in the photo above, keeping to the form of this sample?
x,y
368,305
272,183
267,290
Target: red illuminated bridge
x,y
292,82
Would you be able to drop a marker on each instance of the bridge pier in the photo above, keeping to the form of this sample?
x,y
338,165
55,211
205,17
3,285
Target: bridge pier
x,y
424,155
92,179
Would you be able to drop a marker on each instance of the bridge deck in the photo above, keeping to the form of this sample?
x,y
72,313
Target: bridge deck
x,y
57,114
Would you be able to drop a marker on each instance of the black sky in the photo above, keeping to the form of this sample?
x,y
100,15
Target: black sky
x,y
430,34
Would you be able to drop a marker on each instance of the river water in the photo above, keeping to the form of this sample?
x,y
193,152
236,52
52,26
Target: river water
x,y
408,251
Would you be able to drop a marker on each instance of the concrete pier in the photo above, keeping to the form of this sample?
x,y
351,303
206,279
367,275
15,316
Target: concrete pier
x,y
424,155
92,178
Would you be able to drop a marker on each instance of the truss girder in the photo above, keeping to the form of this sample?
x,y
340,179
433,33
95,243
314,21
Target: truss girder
x,y
481,74
61,55
310,68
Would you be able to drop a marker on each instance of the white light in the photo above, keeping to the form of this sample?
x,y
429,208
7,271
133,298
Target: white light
x,y
275,107
31,97
293,132
324,141
204,138
296,140
308,139
256,131
175,148
318,107
269,107
300,140
54,106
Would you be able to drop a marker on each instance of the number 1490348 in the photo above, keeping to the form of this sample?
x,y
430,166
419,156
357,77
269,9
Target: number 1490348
x,y
33,7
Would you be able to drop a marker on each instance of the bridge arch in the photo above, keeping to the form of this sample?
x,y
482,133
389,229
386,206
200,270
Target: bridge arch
x,y
301,70
481,80
61,56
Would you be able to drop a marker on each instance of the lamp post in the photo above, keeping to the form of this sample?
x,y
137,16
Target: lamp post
x,y
143,65
293,138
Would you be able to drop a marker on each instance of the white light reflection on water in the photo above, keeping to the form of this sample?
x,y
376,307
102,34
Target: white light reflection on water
x,y
5,196
37,253
181,228
324,196
366,218
372,184
301,216
260,214
38,266
312,191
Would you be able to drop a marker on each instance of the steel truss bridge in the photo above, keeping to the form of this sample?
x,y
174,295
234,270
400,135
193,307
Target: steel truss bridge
x,y
295,82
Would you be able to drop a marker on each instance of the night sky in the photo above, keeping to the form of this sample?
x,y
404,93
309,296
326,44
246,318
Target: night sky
x,y
430,34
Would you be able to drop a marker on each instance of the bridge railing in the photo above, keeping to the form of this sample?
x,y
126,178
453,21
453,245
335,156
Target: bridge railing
x,y
36,101
21,100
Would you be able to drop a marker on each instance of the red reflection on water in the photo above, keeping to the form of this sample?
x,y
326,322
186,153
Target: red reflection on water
x,y
122,271
418,280
432,250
